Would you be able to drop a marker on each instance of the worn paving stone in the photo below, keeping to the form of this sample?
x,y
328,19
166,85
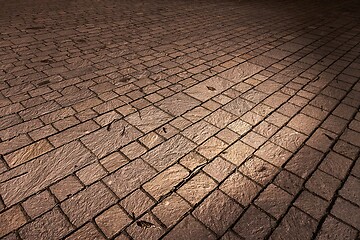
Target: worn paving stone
x,y
254,224
103,141
247,105
171,209
168,152
148,119
51,225
86,204
165,181
11,219
240,188
190,228
45,170
218,212
129,174
209,88
241,72
178,104
112,221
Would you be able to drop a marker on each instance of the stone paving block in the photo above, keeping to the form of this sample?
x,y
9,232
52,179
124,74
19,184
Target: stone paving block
x,y
51,225
347,212
33,209
197,188
154,232
88,203
28,153
237,153
88,231
168,152
112,221
218,212
94,114
240,188
171,209
181,101
209,88
295,223
254,224
190,228
274,200
66,187
11,219
45,170
334,229
148,119
165,181
322,184
108,141
129,174
258,170
311,204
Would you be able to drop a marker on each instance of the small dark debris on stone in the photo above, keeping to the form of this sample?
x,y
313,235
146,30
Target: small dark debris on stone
x,y
329,137
35,28
125,79
43,83
211,88
80,41
316,78
47,61
123,131
145,224
164,129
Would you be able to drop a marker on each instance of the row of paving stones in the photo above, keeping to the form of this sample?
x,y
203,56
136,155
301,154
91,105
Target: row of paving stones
x,y
179,120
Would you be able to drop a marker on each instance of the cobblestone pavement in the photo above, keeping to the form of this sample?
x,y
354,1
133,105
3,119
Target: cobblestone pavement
x,y
166,119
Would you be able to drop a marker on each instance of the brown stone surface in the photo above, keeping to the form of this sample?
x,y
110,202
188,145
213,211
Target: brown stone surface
x,y
210,119
254,224
51,225
86,204
129,175
171,209
112,221
218,212
43,171
11,219
168,152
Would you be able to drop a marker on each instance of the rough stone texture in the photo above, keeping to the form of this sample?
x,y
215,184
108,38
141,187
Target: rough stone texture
x,y
88,231
171,209
218,212
86,204
103,141
128,179
197,188
240,188
190,228
237,153
168,152
254,224
333,229
295,223
168,109
43,171
11,220
112,221
165,181
51,225
178,104
27,153
208,88
148,119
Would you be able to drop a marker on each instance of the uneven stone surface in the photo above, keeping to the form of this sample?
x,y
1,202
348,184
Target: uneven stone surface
x,y
179,119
